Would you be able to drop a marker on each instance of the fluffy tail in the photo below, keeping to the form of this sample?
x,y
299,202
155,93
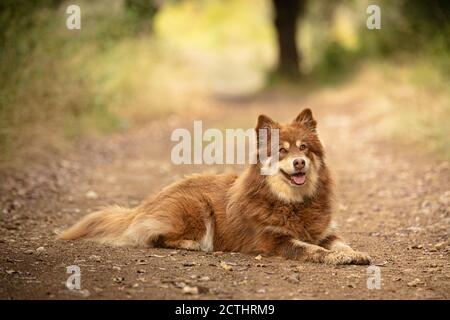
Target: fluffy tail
x,y
104,226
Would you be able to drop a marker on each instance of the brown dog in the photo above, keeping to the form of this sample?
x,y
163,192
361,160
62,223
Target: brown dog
x,y
287,214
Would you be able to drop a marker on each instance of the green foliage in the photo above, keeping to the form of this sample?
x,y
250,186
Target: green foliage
x,y
143,11
410,27
336,63
51,88
133,59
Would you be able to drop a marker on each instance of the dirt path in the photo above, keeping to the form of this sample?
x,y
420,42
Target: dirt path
x,y
393,203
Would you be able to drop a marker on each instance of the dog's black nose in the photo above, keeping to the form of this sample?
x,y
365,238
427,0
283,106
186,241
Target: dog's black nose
x,y
299,163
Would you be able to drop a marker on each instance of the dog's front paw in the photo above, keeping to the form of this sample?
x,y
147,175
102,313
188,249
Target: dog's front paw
x,y
362,258
347,257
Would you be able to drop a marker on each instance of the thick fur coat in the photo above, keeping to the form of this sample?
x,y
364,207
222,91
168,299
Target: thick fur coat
x,y
286,214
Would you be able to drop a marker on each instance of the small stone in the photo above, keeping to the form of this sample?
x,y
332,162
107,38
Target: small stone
x,y
40,249
118,279
117,268
95,258
179,284
258,257
225,266
294,278
205,278
298,269
440,245
190,290
414,283
91,195
375,234
261,290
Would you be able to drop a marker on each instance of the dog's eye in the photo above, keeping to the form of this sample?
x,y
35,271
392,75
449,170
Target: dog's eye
x,y
282,150
302,146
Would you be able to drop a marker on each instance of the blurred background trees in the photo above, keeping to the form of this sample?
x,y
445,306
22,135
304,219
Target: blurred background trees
x,y
135,60
286,15
144,10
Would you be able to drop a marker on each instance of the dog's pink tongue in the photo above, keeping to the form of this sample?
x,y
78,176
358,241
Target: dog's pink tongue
x,y
298,179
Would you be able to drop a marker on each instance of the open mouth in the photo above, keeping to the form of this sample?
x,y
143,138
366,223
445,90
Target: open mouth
x,y
298,178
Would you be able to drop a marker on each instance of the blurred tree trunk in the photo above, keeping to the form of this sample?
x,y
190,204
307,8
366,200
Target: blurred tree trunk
x,y
287,13
145,11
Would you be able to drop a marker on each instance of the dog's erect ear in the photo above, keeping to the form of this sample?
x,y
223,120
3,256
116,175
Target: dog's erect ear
x,y
306,119
264,122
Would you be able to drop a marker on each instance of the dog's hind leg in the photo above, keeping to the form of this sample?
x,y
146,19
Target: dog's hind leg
x,y
178,227
183,244
200,240
148,231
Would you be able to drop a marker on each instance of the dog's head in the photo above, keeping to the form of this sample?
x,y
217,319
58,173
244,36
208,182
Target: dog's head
x,y
300,155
